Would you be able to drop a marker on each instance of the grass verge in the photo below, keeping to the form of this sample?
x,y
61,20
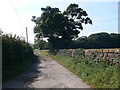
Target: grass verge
x,y
95,74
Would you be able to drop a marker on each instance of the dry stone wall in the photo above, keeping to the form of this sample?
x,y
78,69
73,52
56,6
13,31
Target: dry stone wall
x,y
110,56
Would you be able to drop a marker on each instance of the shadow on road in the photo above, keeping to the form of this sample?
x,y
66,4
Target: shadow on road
x,y
27,77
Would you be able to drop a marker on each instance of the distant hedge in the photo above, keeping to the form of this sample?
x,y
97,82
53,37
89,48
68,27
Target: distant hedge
x,y
17,55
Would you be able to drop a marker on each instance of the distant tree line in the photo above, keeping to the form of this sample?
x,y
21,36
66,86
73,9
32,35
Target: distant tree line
x,y
98,40
93,41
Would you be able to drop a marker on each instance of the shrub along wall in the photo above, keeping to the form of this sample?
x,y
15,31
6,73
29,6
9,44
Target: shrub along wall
x,y
17,55
109,56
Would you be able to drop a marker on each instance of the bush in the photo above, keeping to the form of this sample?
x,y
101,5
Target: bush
x,y
17,55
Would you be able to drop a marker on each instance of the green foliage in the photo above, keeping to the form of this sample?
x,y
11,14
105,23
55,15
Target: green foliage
x,y
101,40
17,55
95,73
77,16
98,40
60,28
41,44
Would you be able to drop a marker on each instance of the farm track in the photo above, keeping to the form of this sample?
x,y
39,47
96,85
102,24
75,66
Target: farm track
x,y
46,73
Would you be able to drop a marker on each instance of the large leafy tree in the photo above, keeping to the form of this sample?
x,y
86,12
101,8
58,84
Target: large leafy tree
x,y
60,28
77,16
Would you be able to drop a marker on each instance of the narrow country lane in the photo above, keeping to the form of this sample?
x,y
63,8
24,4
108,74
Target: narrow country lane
x,y
46,73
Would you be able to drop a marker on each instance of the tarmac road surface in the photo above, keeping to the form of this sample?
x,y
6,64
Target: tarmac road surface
x,y
46,73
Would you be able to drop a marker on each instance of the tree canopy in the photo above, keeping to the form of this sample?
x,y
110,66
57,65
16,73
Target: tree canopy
x,y
60,28
98,40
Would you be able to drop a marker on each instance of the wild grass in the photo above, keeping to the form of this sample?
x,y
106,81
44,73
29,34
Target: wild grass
x,y
95,74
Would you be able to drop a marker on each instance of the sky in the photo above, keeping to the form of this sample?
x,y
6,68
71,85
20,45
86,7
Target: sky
x,y
15,15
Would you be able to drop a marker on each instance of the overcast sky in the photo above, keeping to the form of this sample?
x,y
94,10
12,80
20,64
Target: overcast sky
x,y
15,15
